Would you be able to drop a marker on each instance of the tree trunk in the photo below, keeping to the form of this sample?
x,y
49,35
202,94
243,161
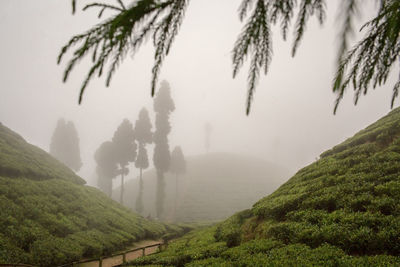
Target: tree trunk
x,y
176,195
121,200
160,194
139,199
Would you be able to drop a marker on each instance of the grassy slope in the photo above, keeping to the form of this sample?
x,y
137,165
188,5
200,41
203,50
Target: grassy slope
x,y
18,158
214,187
47,215
343,210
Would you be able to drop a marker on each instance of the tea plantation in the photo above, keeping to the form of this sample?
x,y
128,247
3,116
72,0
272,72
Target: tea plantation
x,y
48,217
342,210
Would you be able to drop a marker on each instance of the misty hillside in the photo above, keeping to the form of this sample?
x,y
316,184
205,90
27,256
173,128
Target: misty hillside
x,y
48,217
343,210
214,187
18,158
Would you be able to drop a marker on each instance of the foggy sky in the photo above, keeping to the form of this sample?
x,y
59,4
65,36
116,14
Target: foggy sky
x,y
290,124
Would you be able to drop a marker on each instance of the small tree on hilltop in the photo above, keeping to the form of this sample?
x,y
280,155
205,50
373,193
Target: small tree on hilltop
x,y
143,136
107,167
125,150
64,145
177,167
163,106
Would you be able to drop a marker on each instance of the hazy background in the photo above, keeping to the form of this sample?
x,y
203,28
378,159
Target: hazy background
x,y
290,124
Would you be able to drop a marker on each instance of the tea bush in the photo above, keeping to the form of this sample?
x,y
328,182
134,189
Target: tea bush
x,y
342,210
48,217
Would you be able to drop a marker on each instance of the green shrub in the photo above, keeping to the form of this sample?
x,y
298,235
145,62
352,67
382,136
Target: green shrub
x,y
55,221
343,210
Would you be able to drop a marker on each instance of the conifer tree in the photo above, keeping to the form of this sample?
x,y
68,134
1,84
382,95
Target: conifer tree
x,y
163,106
107,167
64,145
368,63
143,136
125,150
177,167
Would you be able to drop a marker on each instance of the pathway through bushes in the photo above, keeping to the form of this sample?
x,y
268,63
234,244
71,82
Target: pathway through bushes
x,y
117,260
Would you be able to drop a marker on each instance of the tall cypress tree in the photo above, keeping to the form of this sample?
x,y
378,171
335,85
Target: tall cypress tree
x,y
177,167
125,150
163,106
107,167
144,136
64,145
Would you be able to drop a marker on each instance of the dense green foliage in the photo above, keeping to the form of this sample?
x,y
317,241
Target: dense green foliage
x,y
342,210
367,63
214,186
54,221
200,248
47,217
18,158
371,60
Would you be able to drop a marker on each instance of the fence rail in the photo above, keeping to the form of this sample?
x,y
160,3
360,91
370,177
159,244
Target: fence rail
x,y
15,265
121,254
100,260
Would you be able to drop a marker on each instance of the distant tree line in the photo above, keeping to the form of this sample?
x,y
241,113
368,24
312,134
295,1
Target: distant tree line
x,y
113,157
129,145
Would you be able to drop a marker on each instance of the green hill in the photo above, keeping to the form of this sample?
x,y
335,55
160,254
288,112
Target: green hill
x,y
343,210
214,187
48,217
18,158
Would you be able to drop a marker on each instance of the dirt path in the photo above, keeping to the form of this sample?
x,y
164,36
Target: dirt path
x,y
117,260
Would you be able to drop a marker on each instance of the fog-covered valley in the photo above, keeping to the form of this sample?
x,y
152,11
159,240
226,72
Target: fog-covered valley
x,y
288,183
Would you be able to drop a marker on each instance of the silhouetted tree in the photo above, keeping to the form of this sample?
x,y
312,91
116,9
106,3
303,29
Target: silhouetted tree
x,y
125,150
107,167
368,63
144,164
64,145
163,106
143,136
177,167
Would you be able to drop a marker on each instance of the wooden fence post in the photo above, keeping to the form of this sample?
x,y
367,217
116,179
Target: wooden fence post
x,y
100,262
124,258
143,251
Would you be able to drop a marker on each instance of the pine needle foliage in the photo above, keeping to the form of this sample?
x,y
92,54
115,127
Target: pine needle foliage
x,y
109,42
256,40
369,62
